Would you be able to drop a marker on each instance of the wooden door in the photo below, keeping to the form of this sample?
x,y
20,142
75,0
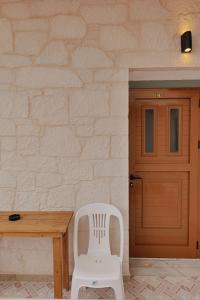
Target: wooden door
x,y
163,172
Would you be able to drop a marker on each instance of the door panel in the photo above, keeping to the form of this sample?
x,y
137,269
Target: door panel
x,y
163,147
161,207
161,132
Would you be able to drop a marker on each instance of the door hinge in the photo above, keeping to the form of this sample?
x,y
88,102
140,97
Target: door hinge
x,y
199,103
198,144
197,245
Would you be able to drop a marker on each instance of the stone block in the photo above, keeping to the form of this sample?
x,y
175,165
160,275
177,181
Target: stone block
x,y
114,38
6,199
6,76
28,200
156,36
119,146
7,180
17,254
119,192
6,37
28,243
61,198
7,1
111,126
181,7
93,191
7,127
89,57
31,25
111,168
48,180
25,181
27,145
18,10
96,148
42,164
148,10
67,27
28,129
41,77
91,103
19,105
105,14
12,161
59,92
85,75
119,99
60,141
49,110
83,238
146,59
12,61
29,43
13,105
55,53
74,169
8,143
96,2
47,8
85,130
81,121
111,75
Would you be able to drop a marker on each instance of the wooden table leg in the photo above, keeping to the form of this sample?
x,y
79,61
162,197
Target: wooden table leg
x,y
57,267
65,262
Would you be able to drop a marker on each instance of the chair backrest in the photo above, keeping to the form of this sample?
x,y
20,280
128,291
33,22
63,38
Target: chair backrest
x,y
99,222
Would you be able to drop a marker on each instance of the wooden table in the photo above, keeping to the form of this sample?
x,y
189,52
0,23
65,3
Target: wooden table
x,y
48,225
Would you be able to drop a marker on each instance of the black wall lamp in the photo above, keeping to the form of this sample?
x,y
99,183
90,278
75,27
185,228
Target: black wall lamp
x,y
186,42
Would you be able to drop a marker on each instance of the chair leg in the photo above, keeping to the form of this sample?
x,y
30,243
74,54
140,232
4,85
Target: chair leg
x,y
119,290
74,289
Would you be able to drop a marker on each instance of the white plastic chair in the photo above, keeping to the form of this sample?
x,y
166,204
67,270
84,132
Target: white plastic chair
x,y
98,268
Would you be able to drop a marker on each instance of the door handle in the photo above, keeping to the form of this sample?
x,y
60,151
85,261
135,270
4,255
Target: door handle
x,y
134,177
131,184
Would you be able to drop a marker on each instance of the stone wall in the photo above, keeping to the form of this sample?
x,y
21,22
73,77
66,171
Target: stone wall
x,y
64,104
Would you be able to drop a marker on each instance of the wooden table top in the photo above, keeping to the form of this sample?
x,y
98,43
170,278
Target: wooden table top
x,y
43,223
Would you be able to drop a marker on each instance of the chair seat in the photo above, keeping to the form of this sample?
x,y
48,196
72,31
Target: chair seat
x,y
97,267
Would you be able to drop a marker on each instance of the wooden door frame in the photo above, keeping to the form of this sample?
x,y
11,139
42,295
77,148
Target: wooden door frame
x,y
194,235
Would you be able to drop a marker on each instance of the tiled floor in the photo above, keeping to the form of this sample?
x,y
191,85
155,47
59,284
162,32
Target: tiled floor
x,y
150,279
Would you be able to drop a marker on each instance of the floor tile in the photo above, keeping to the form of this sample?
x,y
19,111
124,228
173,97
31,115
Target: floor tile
x,y
150,279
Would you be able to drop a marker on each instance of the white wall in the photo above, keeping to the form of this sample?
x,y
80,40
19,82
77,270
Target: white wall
x,y
164,74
